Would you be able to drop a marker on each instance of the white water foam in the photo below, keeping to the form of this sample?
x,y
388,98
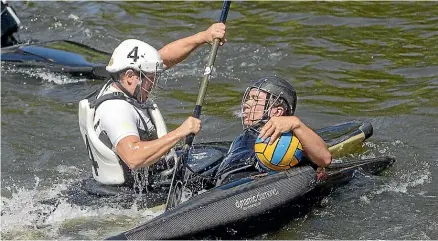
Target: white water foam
x,y
47,75
74,17
381,148
68,170
408,180
25,215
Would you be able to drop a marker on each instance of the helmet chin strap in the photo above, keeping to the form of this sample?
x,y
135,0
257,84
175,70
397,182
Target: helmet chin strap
x,y
137,90
134,96
257,126
131,98
125,90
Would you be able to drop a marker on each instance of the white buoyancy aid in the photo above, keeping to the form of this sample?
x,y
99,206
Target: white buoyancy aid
x,y
107,168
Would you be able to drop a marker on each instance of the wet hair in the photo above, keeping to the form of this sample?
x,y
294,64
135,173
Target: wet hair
x,y
118,76
280,102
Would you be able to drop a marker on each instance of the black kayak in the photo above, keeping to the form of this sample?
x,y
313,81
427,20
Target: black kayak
x,y
60,56
248,194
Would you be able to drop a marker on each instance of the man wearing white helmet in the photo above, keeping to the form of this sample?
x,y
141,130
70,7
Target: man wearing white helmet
x,y
124,120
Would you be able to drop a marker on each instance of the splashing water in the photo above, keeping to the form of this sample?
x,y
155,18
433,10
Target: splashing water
x,y
407,181
46,75
141,178
43,214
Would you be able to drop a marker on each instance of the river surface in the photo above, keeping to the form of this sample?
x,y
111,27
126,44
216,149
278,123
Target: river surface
x,y
348,61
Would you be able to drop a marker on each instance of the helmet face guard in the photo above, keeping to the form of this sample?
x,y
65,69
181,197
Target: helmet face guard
x,y
146,85
262,96
256,106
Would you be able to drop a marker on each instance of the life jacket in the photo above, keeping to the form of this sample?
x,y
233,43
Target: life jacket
x,y
107,166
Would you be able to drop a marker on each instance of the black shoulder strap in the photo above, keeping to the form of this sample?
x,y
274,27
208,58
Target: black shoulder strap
x,y
112,96
142,120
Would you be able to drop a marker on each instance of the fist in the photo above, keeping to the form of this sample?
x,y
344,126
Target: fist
x,y
191,125
216,30
277,125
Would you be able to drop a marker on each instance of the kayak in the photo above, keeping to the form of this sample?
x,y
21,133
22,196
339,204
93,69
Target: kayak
x,y
60,56
247,194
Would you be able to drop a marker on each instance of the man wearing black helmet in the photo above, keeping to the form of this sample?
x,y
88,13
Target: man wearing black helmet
x,y
273,101
268,108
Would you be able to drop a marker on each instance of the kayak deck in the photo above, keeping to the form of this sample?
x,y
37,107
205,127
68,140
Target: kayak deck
x,y
253,194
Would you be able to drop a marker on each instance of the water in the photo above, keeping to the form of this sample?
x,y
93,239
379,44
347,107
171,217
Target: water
x,y
368,61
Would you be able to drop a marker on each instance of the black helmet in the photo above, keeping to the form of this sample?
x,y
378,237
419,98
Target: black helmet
x,y
280,88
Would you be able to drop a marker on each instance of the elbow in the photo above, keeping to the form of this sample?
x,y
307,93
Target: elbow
x,y
326,159
132,164
323,159
167,65
137,163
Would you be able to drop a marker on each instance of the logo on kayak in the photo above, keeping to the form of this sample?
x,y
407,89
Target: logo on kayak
x,y
257,176
255,200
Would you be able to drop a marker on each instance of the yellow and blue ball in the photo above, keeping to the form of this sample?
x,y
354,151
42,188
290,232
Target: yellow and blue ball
x,y
283,154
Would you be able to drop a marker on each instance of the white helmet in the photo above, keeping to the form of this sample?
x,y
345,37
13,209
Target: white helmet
x,y
137,55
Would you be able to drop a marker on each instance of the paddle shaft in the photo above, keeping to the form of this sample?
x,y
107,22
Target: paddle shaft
x,y
209,68
179,174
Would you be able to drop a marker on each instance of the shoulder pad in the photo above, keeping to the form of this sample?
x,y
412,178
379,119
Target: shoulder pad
x,y
112,96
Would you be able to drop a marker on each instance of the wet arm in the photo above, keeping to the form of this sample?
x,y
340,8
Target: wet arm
x,y
178,50
313,145
136,153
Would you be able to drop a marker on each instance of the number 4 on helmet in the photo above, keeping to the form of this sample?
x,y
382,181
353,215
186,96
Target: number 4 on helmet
x,y
137,55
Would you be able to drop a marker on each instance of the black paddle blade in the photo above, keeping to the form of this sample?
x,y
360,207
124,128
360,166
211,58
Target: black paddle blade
x,y
174,200
176,187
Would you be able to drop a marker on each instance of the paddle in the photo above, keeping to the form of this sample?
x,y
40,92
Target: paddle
x,y
179,175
